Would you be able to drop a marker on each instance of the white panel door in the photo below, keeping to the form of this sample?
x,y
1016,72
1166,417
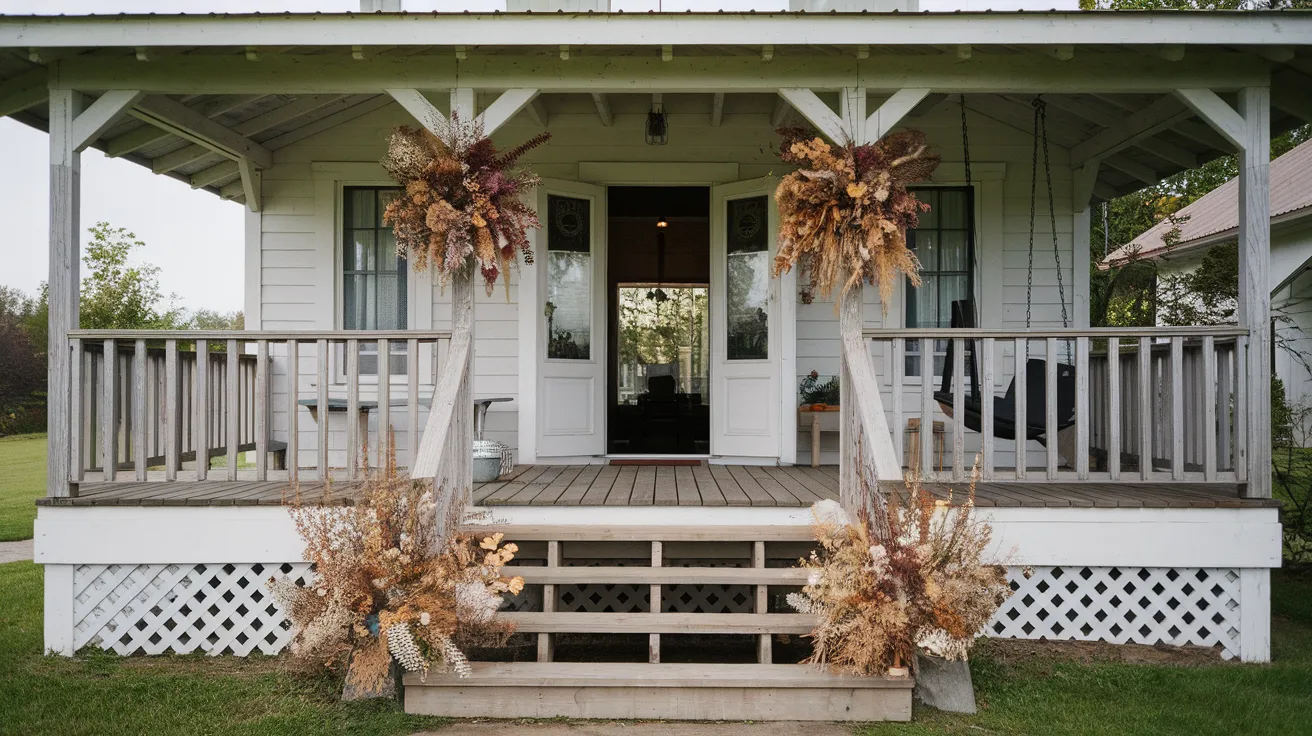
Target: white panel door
x,y
746,323
571,309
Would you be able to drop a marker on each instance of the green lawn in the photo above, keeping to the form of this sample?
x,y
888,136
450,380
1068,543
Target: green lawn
x,y
22,481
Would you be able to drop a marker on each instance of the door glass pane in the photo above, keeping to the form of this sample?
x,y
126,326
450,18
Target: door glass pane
x,y
569,278
748,279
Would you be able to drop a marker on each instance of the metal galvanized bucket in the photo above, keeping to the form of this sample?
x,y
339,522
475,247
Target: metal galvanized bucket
x,y
489,460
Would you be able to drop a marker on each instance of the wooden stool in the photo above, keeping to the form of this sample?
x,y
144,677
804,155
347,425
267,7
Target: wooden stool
x,y
913,444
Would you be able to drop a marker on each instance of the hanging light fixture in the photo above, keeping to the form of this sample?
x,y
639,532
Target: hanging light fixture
x,y
658,294
658,129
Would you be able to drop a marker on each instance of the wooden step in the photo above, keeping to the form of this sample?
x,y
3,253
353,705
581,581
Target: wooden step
x,y
668,533
661,623
661,575
664,691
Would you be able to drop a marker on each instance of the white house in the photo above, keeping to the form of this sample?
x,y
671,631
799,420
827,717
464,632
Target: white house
x,y
1214,219
1139,499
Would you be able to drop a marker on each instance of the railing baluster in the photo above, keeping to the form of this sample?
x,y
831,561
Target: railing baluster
x,y
899,422
927,448
233,381
77,414
1209,408
109,412
959,405
1050,404
352,408
171,410
1177,408
384,398
1114,408
1082,408
412,398
322,397
200,422
1145,408
293,409
1022,428
261,400
139,416
1221,407
986,406
1241,437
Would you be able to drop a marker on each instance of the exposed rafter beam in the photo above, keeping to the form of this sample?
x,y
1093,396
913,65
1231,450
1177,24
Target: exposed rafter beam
x,y
1145,123
927,105
351,108
603,108
187,123
214,174
28,89
717,109
420,109
102,113
1217,113
1139,171
258,124
890,113
505,107
817,113
148,135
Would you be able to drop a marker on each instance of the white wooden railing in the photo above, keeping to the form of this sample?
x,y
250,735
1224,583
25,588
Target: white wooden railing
x,y
1171,397
170,402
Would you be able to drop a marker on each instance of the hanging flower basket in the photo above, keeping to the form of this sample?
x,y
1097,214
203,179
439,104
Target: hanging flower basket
x,y
463,200
844,213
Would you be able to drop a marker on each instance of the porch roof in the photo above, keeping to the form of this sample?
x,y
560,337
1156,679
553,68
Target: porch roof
x,y
265,81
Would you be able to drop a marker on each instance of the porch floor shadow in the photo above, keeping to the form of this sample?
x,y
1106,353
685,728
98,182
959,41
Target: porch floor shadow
x,y
698,485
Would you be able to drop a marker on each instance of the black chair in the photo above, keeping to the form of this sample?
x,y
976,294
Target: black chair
x,y
1004,407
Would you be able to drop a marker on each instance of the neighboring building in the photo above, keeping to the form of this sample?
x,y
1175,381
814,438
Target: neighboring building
x,y
1214,220
1135,508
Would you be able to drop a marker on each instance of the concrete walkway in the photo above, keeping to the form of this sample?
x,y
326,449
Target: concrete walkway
x,y
601,728
15,551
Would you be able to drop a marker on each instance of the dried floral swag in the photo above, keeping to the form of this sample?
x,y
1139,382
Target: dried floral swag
x,y
462,198
844,213
908,575
393,582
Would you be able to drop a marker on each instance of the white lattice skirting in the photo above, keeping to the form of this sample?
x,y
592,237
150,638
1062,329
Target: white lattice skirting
x,y
153,609
226,609
1141,605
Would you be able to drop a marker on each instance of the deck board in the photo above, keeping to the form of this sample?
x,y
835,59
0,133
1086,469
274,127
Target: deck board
x,y
700,485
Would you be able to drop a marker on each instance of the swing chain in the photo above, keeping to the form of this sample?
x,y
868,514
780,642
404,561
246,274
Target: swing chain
x,y
1041,139
965,139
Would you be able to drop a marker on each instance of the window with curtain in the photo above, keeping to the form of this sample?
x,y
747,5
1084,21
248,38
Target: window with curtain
x,y
943,243
373,274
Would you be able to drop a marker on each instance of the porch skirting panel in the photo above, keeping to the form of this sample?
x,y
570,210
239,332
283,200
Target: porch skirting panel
x,y
227,609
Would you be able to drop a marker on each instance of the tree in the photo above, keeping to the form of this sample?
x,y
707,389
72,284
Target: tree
x,y
116,295
22,364
208,319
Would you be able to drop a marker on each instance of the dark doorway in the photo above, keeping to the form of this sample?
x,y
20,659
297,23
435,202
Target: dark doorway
x,y
658,287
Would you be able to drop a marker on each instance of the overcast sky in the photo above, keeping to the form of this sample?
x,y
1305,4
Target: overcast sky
x,y
194,237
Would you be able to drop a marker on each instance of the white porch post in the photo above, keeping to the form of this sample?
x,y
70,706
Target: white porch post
x,y
1082,195
1255,280
65,255
462,319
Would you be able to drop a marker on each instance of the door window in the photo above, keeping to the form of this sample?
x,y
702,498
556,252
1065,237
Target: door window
x,y
569,278
748,279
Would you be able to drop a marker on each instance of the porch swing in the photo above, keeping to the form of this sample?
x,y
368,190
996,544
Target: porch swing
x,y
963,316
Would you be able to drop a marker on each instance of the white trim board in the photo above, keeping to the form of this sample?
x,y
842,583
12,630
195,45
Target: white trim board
x,y
1245,538
656,173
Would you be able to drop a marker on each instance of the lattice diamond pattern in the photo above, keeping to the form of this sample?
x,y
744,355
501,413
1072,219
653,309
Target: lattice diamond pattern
x,y
152,609
1142,605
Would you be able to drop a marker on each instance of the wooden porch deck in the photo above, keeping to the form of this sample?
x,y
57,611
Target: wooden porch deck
x,y
699,485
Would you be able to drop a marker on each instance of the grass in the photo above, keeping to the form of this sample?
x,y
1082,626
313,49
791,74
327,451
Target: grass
x,y
1051,696
22,481
100,693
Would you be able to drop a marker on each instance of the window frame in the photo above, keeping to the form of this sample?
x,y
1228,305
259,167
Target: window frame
x,y
412,283
971,273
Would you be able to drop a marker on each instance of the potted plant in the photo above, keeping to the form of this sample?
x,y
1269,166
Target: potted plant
x,y
817,395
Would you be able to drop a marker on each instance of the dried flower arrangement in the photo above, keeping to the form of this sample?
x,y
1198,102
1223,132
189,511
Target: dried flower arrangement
x,y
844,213
916,580
462,198
393,582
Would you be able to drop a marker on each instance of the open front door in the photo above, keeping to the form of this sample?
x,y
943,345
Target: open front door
x,y
752,324
571,344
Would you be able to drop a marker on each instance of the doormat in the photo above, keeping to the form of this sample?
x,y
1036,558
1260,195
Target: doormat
x,y
688,462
